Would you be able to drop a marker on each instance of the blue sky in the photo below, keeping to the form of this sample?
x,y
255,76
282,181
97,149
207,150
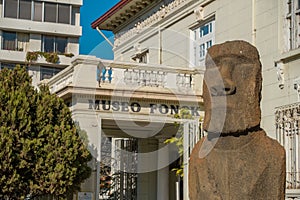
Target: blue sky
x,y
91,42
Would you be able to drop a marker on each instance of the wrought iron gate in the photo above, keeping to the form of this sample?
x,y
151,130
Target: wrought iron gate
x,y
125,176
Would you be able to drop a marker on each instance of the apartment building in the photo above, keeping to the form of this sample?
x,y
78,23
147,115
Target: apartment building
x,y
45,28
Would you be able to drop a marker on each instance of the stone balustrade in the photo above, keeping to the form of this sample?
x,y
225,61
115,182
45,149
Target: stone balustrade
x,y
91,72
65,79
137,74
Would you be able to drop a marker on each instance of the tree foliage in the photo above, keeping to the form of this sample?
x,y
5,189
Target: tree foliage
x,y
41,150
178,139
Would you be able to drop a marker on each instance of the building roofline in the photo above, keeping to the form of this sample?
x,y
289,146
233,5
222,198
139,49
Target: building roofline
x,y
109,13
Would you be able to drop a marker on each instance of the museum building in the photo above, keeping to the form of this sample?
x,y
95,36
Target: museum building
x,y
127,105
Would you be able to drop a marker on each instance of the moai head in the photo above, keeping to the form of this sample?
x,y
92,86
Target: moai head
x,y
232,88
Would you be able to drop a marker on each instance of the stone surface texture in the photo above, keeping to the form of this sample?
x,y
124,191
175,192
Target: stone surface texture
x,y
237,160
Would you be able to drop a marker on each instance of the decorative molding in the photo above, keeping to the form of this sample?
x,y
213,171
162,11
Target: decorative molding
x,y
297,87
280,74
164,11
199,13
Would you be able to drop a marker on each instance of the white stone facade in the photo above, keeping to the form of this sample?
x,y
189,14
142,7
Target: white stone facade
x,y
165,31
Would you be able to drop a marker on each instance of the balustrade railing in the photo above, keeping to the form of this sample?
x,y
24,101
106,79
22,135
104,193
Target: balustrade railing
x,y
287,121
124,75
64,81
136,74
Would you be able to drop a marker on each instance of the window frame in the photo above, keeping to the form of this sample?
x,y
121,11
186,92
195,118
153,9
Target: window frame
x,y
9,66
201,41
55,43
52,71
141,57
292,20
71,17
17,41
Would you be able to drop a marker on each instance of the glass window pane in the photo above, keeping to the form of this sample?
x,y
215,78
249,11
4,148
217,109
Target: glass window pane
x,y
202,51
23,40
61,44
48,72
208,44
25,9
75,10
8,66
64,14
48,43
37,16
50,12
9,41
204,30
11,8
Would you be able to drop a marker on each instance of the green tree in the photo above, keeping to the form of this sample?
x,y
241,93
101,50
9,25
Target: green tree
x,y
183,114
41,149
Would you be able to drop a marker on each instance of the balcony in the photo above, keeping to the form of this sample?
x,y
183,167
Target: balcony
x,y
39,27
19,57
110,78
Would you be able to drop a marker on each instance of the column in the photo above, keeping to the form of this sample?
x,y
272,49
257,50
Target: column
x,y
162,173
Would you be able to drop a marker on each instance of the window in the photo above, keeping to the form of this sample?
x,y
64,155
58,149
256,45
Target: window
x,y
48,72
141,57
55,44
63,14
59,13
38,16
61,44
48,42
11,8
50,12
206,29
15,41
292,22
75,11
202,38
25,9
8,65
40,11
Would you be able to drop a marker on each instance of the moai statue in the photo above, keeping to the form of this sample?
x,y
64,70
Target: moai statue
x,y
237,160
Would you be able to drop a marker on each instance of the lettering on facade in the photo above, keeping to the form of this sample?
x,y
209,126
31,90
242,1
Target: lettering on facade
x,y
135,107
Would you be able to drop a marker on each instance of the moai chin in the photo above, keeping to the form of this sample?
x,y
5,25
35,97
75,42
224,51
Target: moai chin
x,y
237,160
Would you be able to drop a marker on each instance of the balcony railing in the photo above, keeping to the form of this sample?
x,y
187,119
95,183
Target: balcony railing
x,y
125,75
287,121
139,75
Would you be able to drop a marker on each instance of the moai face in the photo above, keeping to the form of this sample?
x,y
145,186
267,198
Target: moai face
x,y
232,88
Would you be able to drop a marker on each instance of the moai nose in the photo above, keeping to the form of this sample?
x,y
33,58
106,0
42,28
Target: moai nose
x,y
223,83
227,87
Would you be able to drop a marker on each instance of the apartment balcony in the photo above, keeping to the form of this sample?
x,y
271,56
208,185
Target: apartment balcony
x,y
287,121
90,75
19,57
20,25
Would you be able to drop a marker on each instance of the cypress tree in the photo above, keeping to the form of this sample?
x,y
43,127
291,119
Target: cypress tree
x,y
41,150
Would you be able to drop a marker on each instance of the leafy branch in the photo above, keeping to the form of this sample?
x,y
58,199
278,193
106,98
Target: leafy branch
x,y
51,57
178,139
